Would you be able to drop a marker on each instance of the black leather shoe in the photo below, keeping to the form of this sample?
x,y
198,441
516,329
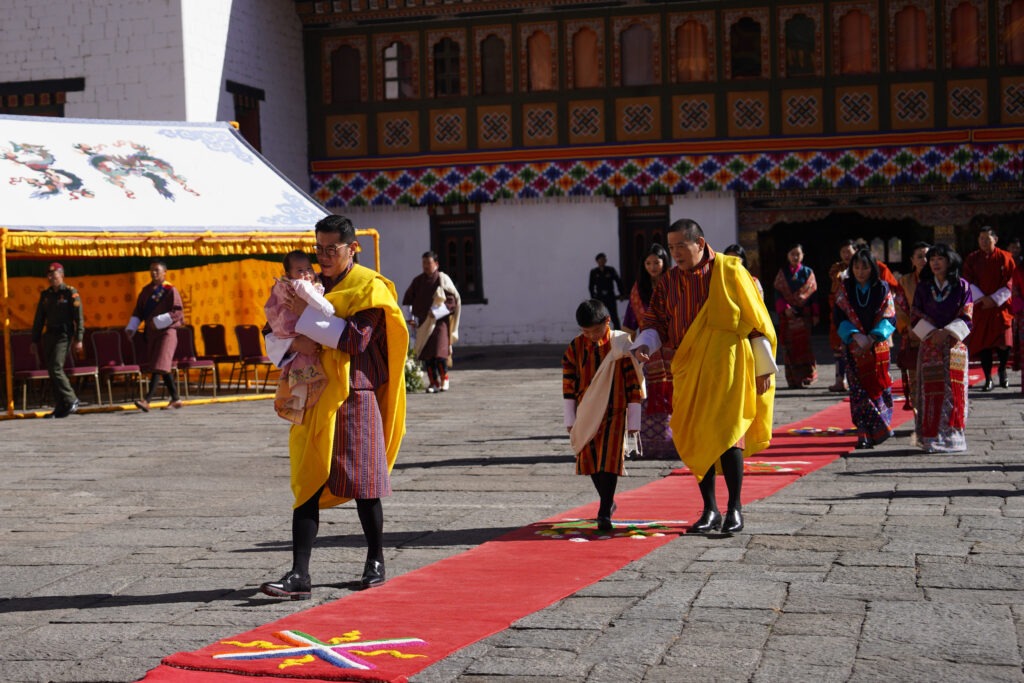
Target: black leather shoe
x,y
373,574
710,520
604,522
1004,382
72,409
987,386
290,586
733,522
864,444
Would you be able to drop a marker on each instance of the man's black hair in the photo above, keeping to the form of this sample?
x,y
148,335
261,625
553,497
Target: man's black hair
x,y
339,225
690,228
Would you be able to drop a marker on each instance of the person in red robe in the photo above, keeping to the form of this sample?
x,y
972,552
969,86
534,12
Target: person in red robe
x,y
989,271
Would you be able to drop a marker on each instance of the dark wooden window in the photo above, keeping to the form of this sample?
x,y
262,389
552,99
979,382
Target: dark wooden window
x,y
538,53
745,42
456,239
800,46
639,228
492,66
446,68
346,68
398,72
37,98
637,56
247,111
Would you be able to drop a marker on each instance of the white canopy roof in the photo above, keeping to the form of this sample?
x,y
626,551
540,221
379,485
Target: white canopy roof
x,y
89,175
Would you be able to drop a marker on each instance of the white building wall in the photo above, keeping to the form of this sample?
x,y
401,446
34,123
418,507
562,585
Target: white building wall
x,y
259,29
129,52
536,258
716,213
167,60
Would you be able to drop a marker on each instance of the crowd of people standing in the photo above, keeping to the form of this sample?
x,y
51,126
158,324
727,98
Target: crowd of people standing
x,y
930,322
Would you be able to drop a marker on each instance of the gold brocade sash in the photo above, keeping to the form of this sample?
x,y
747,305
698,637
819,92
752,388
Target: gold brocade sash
x,y
714,398
311,444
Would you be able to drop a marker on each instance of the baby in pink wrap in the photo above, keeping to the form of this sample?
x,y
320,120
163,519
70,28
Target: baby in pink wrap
x,y
302,376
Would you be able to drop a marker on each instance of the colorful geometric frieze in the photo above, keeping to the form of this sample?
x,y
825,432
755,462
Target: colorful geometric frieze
x,y
894,167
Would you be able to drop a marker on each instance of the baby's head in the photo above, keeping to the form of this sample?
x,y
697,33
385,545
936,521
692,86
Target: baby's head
x,y
298,266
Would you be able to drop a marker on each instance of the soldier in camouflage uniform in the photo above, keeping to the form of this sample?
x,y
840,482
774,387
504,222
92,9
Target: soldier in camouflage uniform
x,y
60,312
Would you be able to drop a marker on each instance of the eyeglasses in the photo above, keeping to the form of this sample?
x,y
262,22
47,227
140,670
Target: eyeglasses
x,y
330,250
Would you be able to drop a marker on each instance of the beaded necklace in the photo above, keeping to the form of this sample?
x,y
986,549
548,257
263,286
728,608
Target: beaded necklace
x,y
940,293
863,302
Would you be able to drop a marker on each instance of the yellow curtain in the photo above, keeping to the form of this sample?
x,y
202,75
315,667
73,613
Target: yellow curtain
x,y
226,293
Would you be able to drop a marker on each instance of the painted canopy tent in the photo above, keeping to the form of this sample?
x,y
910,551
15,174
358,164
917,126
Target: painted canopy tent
x,y
73,189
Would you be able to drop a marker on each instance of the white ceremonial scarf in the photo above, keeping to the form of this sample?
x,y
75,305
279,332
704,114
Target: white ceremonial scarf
x,y
426,328
592,409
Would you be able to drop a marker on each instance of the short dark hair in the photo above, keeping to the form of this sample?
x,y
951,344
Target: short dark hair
x,y
339,225
793,246
430,255
294,254
989,229
157,262
600,256
591,312
690,228
920,245
846,243
955,262
737,250
864,256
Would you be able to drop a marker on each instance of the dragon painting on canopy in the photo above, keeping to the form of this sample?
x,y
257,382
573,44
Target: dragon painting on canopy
x,y
118,168
50,181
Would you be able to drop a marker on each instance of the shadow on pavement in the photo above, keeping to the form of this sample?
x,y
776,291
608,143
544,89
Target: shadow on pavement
x,y
105,600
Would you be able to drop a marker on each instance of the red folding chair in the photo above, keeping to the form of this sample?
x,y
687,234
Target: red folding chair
x,y
26,366
75,370
110,359
250,349
215,348
185,358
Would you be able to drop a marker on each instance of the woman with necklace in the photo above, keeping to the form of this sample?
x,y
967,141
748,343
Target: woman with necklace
x,y
941,319
795,302
655,433
865,315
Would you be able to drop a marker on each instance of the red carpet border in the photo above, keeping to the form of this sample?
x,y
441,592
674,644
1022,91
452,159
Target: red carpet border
x,y
417,619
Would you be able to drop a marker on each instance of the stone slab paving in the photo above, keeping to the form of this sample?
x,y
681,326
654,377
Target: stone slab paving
x,y
128,536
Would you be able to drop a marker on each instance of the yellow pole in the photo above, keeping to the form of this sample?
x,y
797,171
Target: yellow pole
x,y
376,244
8,369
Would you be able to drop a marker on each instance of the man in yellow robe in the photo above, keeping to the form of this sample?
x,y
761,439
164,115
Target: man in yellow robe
x,y
348,441
723,395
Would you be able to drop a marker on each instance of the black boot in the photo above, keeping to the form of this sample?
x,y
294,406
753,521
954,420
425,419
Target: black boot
x,y
733,522
292,586
710,520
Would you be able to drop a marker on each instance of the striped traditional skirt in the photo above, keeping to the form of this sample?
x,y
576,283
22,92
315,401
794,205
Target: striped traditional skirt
x,y
941,397
359,464
867,373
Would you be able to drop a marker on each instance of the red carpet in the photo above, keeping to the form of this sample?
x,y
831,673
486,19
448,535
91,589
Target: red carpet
x,y
419,618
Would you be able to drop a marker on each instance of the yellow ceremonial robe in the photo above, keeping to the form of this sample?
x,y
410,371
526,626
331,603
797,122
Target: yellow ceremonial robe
x,y
311,444
714,398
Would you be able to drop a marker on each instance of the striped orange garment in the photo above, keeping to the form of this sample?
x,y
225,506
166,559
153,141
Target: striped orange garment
x,y
580,362
677,299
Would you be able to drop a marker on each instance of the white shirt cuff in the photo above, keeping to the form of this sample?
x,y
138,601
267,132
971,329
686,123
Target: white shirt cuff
x,y
633,417
764,361
440,311
277,349
958,328
162,321
1001,296
923,328
976,293
648,338
324,331
570,412
133,324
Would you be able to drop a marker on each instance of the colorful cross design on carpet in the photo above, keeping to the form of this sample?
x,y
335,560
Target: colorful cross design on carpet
x,y
826,431
302,648
447,181
584,530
